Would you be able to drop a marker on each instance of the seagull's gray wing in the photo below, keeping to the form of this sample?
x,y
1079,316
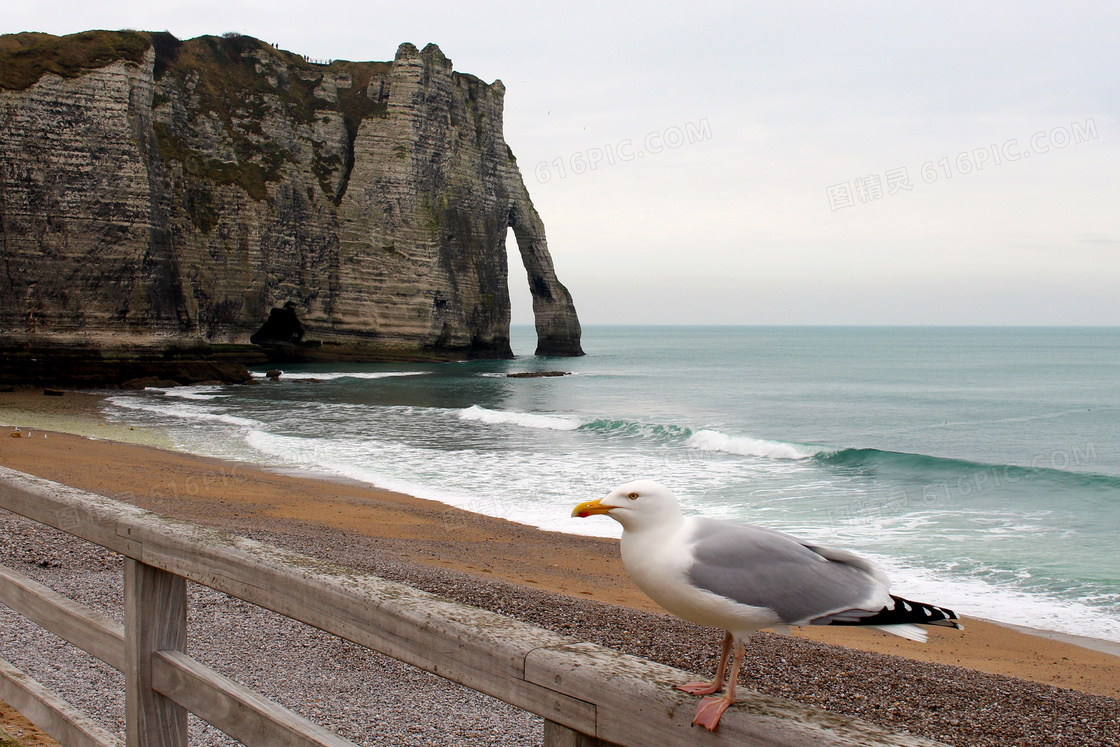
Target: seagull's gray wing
x,y
765,568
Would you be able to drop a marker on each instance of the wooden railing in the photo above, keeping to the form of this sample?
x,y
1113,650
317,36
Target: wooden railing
x,y
588,695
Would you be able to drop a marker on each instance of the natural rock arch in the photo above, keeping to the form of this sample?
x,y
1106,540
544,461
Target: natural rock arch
x,y
558,328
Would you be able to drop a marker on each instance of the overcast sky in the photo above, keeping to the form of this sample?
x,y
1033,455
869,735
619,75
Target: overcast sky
x,y
770,163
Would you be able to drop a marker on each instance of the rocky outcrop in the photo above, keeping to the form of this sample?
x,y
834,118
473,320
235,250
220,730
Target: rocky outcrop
x,y
200,195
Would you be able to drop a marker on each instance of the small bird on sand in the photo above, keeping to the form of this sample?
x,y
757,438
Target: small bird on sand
x,y
745,578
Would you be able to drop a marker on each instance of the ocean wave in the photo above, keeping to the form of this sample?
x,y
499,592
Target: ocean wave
x,y
634,428
927,466
748,446
332,375
524,419
935,466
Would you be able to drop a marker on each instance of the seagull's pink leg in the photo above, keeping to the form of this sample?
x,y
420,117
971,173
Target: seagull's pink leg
x,y
711,709
707,688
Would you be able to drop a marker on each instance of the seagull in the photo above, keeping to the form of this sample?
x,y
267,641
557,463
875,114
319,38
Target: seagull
x,y
744,578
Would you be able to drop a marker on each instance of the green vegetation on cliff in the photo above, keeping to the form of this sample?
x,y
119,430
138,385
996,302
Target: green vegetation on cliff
x,y
243,81
232,74
25,57
258,164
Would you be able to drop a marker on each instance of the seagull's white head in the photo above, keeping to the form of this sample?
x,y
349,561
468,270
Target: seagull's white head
x,y
635,505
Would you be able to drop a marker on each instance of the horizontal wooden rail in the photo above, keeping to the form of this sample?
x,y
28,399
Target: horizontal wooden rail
x,y
87,629
236,710
49,712
588,689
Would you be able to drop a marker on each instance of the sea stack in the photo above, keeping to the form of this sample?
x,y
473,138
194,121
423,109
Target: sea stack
x,y
181,208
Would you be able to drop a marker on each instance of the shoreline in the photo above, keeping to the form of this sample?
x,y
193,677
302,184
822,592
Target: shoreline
x,y
245,497
1101,645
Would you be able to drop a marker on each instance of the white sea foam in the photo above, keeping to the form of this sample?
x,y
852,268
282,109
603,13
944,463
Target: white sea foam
x,y
331,375
402,468
449,477
747,446
181,411
191,392
524,419
507,374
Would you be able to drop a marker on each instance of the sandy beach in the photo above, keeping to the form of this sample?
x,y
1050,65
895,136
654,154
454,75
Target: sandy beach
x,y
1045,675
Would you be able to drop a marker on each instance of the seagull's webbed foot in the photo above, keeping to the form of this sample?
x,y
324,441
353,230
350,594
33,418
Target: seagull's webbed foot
x,y
710,710
707,688
700,688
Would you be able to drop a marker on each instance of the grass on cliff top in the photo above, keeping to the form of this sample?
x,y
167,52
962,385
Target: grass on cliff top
x,y
241,80
244,82
226,74
25,57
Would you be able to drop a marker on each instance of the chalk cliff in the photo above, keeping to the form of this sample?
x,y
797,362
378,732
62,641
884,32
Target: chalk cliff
x,y
163,199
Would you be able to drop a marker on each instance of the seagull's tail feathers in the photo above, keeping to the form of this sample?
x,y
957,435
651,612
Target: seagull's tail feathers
x,y
908,631
902,618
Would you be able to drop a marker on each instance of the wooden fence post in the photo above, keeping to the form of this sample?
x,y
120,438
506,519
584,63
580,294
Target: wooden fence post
x,y
155,619
557,735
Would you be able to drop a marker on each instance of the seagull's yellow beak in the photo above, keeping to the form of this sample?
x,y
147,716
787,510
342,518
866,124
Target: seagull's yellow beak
x,y
590,508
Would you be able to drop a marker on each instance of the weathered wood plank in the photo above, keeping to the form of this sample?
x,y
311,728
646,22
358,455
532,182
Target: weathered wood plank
x,y
49,712
155,619
637,705
233,708
87,515
87,629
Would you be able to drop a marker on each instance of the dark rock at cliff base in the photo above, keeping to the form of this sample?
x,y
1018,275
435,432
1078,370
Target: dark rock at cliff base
x,y
535,374
147,381
226,197
83,366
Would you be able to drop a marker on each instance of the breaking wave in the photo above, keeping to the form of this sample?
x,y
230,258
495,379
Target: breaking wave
x,y
748,446
523,419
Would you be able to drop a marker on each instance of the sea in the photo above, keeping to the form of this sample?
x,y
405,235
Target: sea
x,y
980,467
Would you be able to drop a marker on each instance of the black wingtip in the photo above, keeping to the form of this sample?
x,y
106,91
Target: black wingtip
x,y
905,611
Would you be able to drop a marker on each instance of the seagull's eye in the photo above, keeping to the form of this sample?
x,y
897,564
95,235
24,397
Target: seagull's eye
x,y
633,496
